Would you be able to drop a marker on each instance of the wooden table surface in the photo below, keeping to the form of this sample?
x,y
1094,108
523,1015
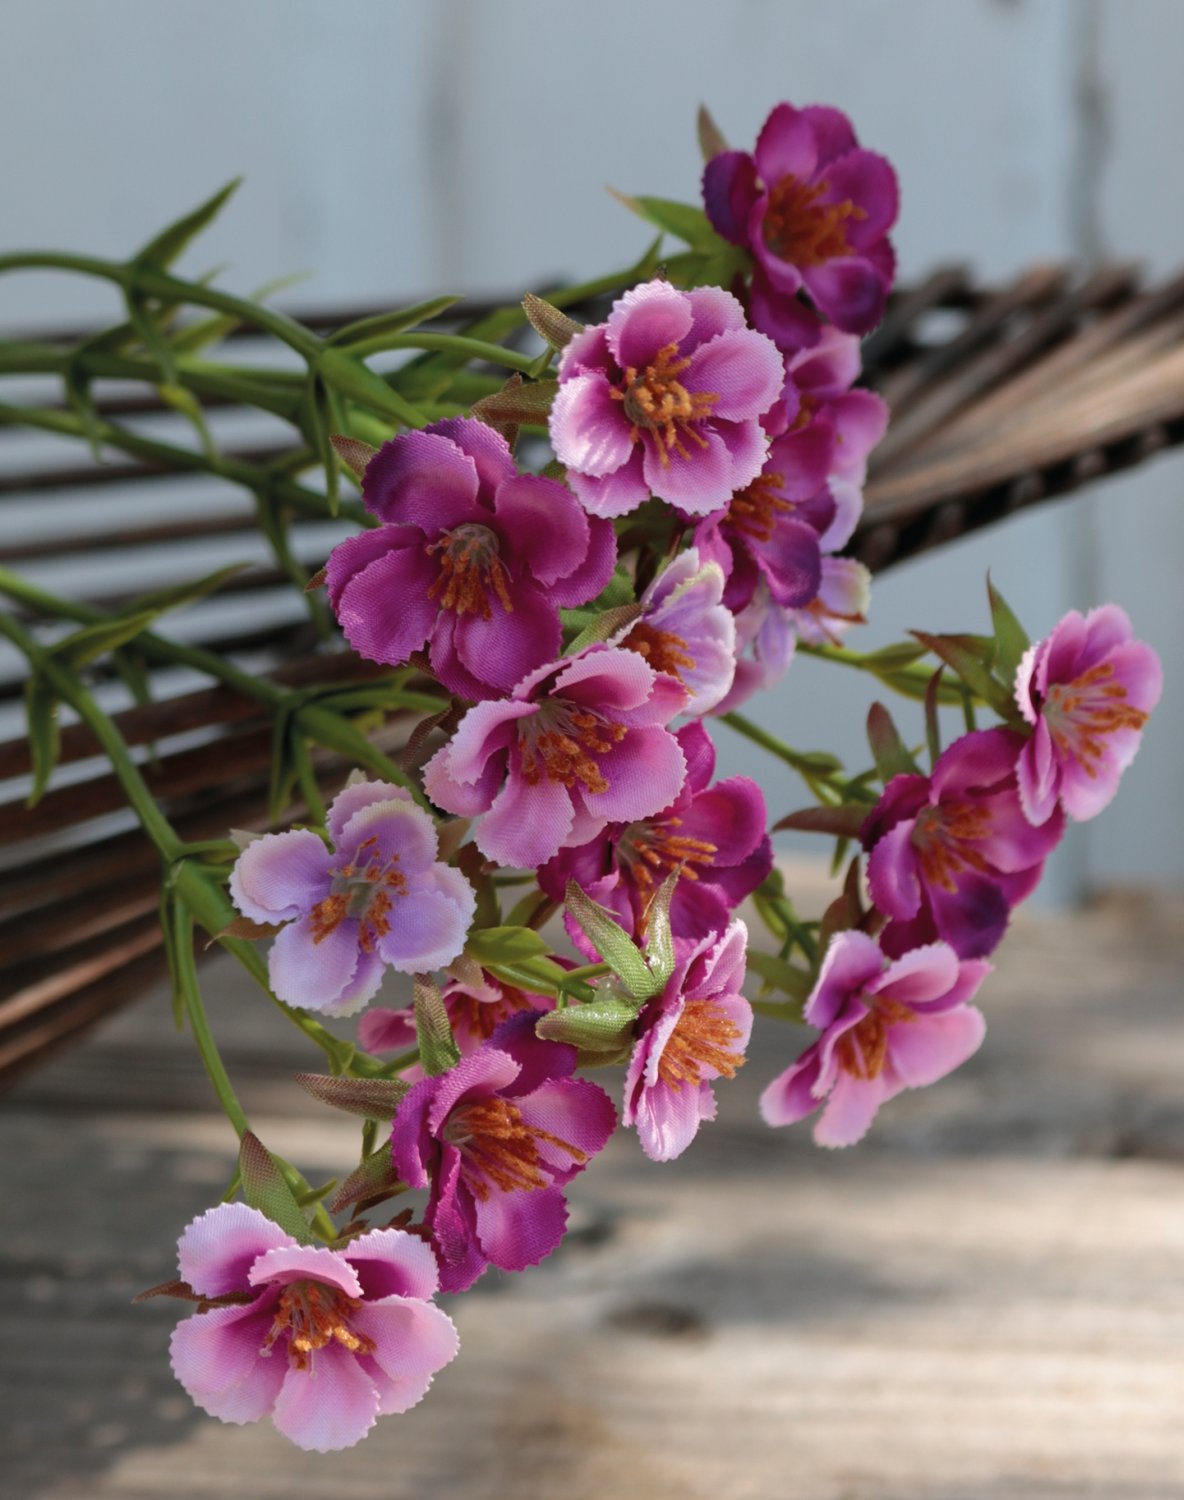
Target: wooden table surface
x,y
986,1299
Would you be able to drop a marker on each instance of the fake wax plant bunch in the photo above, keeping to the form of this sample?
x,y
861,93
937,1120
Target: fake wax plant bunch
x,y
577,625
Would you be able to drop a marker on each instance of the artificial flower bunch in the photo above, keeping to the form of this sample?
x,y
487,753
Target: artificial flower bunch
x,y
590,614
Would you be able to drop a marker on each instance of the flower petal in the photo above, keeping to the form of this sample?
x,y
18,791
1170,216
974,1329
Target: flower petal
x,y
309,971
393,1263
589,429
519,1229
386,610
647,318
335,1410
217,1250
280,876
421,479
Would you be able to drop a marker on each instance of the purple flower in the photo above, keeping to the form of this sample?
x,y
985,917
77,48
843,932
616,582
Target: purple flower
x,y
476,1008
473,559
817,388
379,897
496,1139
664,398
714,835
686,631
693,1033
886,1026
951,854
323,1340
815,210
579,744
1087,689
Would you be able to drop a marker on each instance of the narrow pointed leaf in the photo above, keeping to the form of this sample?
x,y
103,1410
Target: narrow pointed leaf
x,y
843,821
41,715
659,939
888,749
184,401
932,724
372,1098
612,942
689,223
91,641
968,657
488,945
396,321
781,974
711,141
604,626
526,402
437,1047
1011,639
264,1188
549,323
352,452
163,249
372,1182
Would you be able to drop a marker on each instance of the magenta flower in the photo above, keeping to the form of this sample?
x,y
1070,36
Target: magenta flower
x,y
578,744
686,630
714,835
476,1008
323,1340
817,388
1087,689
693,1033
496,1139
473,559
815,210
951,854
886,1026
379,897
664,398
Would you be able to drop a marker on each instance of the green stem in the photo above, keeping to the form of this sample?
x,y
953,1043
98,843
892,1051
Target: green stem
x,y
447,343
816,770
202,1035
588,971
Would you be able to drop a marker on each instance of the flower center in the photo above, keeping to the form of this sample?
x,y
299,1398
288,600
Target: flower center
x,y
361,890
1079,714
471,571
803,230
665,651
651,850
753,511
702,1038
481,1018
657,402
562,741
499,1149
863,1050
943,836
312,1315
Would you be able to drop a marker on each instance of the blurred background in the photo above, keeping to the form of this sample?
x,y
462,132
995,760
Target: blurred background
x,y
396,149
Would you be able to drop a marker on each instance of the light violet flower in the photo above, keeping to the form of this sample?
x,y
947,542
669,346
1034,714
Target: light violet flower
x,y
496,1139
815,210
474,559
886,1026
476,1008
714,835
323,1340
578,744
1087,689
686,631
690,1035
379,897
950,855
664,398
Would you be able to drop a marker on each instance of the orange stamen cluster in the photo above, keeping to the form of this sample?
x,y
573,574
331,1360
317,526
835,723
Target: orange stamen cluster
x,y
657,402
665,651
702,1038
863,1050
803,230
497,1146
471,571
481,1018
754,510
943,838
561,742
1080,713
652,850
363,890
313,1315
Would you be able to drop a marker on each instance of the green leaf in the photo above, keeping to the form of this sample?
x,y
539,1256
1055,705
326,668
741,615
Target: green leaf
x,y
437,1047
264,1188
604,626
968,656
781,974
41,715
1011,639
932,724
613,943
372,1098
163,249
900,654
159,601
617,591
397,321
372,1182
491,945
659,940
688,223
184,401
889,751
603,1025
83,646
711,140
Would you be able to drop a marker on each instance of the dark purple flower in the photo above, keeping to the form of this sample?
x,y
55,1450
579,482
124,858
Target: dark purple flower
x,y
579,744
664,398
1087,689
886,1026
951,854
323,1340
694,1032
473,559
379,897
818,387
496,1139
815,210
714,835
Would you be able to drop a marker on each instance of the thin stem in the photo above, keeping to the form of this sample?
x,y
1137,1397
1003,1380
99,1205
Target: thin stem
x,y
202,1035
447,343
815,769
588,971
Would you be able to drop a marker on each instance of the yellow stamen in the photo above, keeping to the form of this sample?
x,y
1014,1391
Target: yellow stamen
x,y
702,1038
804,231
665,651
657,402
